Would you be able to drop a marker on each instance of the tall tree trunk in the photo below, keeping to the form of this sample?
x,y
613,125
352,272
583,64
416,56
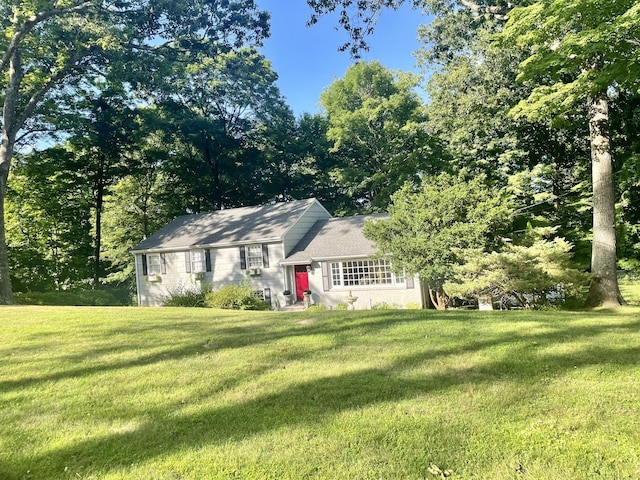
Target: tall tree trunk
x,y
6,294
213,160
604,290
7,143
100,181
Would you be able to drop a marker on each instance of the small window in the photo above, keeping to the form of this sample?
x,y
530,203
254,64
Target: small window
x,y
254,256
336,273
197,261
153,264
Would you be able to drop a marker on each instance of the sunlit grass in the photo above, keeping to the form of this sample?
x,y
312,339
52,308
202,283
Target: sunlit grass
x,y
133,393
630,289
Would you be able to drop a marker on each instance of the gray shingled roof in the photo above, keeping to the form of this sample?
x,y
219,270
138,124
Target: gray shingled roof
x,y
225,227
334,238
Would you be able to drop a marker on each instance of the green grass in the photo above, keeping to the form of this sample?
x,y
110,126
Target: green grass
x,y
134,393
630,289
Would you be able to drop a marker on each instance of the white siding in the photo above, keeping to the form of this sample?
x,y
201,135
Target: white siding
x,y
368,296
225,266
139,277
303,225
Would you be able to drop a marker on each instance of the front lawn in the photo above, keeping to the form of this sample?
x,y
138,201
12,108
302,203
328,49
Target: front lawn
x,y
169,393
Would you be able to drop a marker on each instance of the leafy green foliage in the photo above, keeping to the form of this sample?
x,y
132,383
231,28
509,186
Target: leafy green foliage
x,y
532,275
470,92
136,206
187,297
236,296
100,147
630,287
222,117
53,52
48,223
431,225
625,123
358,19
472,88
576,49
318,307
578,53
385,306
376,123
357,24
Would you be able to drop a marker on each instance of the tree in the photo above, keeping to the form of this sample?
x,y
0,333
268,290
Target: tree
x,y
48,222
100,147
220,112
626,147
577,52
531,274
430,226
312,163
471,89
377,125
132,212
50,50
358,19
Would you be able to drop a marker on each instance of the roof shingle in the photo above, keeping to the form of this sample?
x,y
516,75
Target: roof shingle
x,y
334,238
259,224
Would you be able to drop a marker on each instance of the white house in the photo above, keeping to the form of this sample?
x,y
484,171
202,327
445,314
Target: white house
x,y
293,246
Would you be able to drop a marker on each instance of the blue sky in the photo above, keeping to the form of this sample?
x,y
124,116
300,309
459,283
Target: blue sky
x,y
307,60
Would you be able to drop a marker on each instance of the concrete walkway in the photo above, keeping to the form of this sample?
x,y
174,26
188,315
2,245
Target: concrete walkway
x,y
296,307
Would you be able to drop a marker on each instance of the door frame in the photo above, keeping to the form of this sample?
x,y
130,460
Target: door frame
x,y
300,272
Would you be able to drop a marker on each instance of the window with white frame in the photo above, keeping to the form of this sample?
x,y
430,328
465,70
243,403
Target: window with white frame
x,y
254,256
153,264
197,261
364,272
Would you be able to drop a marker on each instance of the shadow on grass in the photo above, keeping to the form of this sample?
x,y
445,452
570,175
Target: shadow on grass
x,y
215,336
167,430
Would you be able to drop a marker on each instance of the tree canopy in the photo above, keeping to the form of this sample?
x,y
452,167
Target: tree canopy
x,y
134,112
51,51
378,127
577,52
431,225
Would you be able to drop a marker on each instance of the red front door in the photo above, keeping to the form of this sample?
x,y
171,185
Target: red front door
x,y
302,280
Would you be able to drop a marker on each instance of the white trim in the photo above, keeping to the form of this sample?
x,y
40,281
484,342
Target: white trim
x,y
151,271
260,264
288,261
247,241
311,204
139,277
202,261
